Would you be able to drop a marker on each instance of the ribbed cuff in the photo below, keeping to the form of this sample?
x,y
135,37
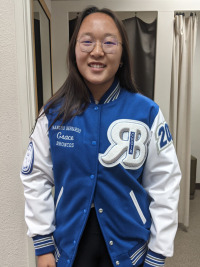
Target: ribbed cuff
x,y
154,259
43,244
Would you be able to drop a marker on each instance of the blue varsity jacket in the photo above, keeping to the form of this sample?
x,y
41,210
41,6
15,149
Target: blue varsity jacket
x,y
118,155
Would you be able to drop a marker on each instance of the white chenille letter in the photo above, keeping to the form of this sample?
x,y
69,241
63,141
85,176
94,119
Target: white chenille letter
x,y
128,147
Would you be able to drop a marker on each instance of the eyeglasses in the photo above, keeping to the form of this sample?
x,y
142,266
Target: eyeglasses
x,y
109,44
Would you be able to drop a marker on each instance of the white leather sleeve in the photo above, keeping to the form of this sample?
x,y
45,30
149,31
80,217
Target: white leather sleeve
x,y
37,178
161,180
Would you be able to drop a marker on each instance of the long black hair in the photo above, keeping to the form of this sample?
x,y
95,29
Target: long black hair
x,y
73,95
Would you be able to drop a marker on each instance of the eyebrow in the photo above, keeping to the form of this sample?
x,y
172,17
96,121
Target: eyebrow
x,y
91,34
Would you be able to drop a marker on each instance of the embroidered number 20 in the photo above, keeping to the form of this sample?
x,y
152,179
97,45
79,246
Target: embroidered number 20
x,y
163,136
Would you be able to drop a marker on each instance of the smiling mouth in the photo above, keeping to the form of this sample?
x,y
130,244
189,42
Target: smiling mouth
x,y
97,66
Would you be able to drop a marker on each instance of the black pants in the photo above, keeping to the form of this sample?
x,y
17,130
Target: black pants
x,y
92,250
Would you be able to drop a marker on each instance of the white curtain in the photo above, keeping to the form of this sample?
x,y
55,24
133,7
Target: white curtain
x,y
185,32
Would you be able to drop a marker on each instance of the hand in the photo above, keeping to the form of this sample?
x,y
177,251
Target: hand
x,y
46,260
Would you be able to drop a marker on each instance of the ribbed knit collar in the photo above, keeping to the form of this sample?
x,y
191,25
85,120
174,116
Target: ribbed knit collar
x,y
110,95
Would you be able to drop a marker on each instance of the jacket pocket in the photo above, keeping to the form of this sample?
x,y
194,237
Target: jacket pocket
x,y
137,206
59,197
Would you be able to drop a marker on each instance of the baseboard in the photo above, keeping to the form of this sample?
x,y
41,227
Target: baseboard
x,y
183,227
197,186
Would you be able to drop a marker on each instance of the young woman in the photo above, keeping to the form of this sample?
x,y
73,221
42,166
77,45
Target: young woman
x,y
108,151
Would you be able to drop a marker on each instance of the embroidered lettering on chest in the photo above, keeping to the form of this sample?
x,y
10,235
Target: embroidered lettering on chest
x,y
128,144
65,135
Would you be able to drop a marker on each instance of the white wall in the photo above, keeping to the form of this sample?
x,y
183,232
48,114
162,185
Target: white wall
x,y
13,244
195,112
131,5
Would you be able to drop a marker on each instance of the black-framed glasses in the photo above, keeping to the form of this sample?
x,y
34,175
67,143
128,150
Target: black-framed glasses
x,y
109,44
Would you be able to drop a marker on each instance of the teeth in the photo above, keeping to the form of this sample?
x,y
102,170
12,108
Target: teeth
x,y
96,66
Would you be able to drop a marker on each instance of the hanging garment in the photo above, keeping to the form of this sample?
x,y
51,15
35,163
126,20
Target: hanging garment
x,y
142,42
185,32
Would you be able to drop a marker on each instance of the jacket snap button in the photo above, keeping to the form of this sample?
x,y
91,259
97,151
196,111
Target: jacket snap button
x,y
117,263
100,210
111,243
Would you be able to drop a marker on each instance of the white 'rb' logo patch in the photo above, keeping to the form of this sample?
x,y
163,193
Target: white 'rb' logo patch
x,y
128,147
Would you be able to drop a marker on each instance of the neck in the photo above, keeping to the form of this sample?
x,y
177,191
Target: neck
x,y
98,90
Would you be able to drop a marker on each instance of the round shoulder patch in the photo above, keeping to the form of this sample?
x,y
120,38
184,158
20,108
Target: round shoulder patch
x,y
28,160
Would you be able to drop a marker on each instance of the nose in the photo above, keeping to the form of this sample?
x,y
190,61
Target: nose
x,y
97,51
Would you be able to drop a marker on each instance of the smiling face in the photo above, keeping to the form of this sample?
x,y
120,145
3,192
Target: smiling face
x,y
97,67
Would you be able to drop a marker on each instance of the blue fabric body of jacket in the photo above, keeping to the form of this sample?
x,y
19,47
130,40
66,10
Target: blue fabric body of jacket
x,y
87,170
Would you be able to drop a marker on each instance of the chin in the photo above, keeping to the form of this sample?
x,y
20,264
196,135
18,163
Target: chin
x,y
95,81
